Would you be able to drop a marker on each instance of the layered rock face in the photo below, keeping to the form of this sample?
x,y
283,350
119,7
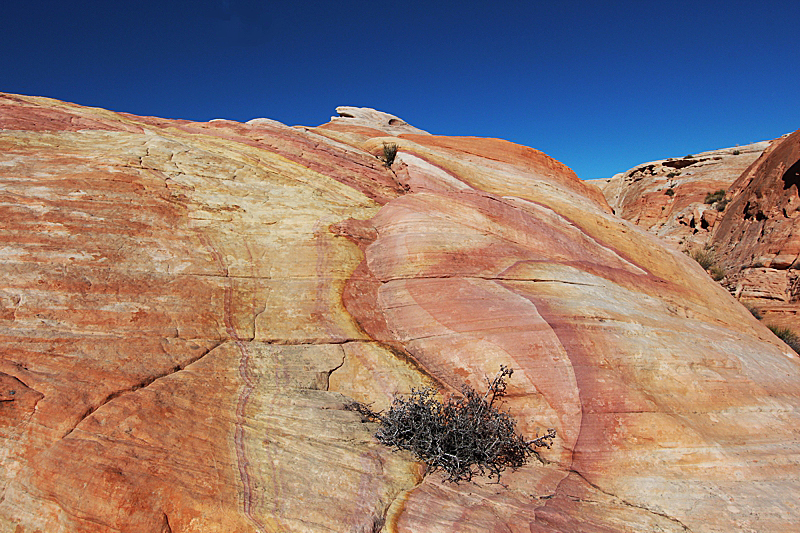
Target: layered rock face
x,y
753,231
189,308
667,197
758,239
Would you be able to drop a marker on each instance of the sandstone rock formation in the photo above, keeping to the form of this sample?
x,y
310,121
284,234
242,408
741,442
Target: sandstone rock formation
x,y
188,309
758,239
666,197
753,232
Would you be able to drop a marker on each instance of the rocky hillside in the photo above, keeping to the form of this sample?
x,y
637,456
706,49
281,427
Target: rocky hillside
x,y
189,308
751,226
758,238
667,197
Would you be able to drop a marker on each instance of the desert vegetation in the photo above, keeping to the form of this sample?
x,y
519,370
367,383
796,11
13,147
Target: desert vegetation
x,y
389,154
788,336
707,259
717,200
463,436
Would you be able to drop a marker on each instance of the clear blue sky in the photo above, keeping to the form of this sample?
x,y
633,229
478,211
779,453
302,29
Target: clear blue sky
x,y
600,86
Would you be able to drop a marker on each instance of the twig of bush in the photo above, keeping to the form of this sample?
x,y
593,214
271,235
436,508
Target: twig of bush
x,y
463,436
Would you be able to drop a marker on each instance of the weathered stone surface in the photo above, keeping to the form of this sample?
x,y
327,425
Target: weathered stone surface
x,y
758,238
640,194
189,308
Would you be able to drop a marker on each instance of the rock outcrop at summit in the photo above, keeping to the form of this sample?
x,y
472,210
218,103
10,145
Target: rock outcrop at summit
x,y
189,309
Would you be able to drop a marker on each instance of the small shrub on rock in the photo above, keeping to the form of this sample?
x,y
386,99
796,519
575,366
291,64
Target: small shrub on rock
x,y
464,436
670,192
753,311
716,272
705,257
788,336
389,153
715,196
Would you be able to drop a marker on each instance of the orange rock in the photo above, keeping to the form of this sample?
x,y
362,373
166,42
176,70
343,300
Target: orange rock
x,y
761,227
189,308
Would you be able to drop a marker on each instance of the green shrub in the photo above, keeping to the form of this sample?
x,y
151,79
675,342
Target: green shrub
x,y
736,152
464,436
753,311
389,153
670,192
788,336
714,196
721,205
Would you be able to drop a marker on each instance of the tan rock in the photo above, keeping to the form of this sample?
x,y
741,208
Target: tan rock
x,y
189,308
640,194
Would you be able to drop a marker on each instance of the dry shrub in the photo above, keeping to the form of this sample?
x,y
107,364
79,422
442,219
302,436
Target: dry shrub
x,y
464,437
389,153
788,336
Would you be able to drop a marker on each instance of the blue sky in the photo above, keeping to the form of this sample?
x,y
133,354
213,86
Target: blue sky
x,y
600,86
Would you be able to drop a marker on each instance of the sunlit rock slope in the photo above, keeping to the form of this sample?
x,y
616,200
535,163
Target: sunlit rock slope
x,y
187,309
666,197
753,232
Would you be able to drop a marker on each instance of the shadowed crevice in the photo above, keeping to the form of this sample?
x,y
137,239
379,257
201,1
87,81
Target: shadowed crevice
x,y
792,176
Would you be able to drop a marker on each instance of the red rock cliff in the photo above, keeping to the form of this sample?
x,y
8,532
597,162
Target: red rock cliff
x,y
758,239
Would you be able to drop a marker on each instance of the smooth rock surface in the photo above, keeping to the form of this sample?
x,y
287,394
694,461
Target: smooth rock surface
x,y
189,308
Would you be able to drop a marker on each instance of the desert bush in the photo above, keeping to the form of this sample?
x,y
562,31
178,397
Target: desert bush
x,y
753,311
715,196
716,272
788,336
736,152
704,256
389,153
670,192
721,205
463,436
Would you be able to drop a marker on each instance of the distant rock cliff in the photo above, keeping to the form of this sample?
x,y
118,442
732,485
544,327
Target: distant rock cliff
x,y
754,231
666,197
758,238
188,308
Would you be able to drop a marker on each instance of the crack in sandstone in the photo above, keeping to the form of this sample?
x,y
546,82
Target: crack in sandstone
x,y
629,504
332,370
136,386
491,278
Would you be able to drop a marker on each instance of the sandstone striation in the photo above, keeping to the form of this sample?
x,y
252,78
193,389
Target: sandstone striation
x,y
190,308
758,238
666,197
